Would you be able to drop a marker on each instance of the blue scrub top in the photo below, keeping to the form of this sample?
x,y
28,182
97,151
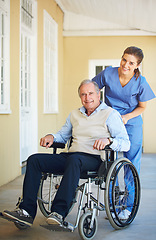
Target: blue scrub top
x,y
124,99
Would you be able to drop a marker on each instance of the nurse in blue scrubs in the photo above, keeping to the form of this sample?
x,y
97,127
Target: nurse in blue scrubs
x,y
127,91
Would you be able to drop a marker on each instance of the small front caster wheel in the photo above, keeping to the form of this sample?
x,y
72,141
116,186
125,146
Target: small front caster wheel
x,y
85,231
21,226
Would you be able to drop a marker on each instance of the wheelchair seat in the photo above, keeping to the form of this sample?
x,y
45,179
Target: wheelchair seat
x,y
89,174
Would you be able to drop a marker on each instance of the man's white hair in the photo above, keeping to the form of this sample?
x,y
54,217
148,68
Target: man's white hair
x,y
87,81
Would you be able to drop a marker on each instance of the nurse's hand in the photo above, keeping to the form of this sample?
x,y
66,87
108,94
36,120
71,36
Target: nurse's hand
x,y
101,143
47,141
124,119
136,112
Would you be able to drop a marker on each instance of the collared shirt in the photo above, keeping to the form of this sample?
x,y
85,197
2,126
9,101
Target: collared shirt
x,y
115,127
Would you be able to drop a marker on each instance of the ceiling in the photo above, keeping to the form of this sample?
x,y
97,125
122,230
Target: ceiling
x,y
108,17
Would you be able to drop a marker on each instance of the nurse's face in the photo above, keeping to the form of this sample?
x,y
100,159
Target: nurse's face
x,y
89,97
128,64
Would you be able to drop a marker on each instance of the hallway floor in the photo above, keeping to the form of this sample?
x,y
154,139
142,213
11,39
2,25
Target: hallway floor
x,y
142,228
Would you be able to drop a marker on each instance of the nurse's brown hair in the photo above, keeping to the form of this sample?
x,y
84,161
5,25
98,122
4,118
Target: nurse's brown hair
x,y
138,53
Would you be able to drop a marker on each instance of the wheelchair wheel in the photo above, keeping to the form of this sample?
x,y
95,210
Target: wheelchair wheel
x,y
21,226
84,226
122,194
48,187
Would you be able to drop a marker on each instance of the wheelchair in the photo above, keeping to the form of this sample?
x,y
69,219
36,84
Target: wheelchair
x,y
117,180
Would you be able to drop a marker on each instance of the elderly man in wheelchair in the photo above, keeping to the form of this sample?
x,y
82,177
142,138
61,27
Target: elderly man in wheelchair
x,y
93,127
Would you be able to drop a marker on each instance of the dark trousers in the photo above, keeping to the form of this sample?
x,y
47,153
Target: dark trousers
x,y
71,165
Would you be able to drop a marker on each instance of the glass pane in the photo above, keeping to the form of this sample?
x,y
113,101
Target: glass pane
x,y
29,47
4,56
98,69
26,80
25,98
26,13
2,24
101,96
2,94
2,47
2,68
21,97
21,78
25,61
30,8
25,44
21,42
29,99
50,64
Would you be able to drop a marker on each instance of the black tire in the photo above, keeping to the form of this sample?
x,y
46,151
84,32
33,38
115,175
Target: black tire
x,y
21,226
122,193
84,226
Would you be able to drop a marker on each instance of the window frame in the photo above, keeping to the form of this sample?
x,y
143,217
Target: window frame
x,y
5,10
50,65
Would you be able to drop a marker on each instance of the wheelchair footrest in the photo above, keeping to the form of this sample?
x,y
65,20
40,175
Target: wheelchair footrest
x,y
59,228
68,225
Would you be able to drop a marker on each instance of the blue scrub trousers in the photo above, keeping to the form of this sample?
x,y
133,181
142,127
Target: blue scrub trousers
x,y
134,155
71,165
135,152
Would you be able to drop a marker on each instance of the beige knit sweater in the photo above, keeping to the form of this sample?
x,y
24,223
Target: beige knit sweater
x,y
87,129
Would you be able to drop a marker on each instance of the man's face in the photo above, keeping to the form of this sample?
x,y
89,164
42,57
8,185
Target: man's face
x,y
89,97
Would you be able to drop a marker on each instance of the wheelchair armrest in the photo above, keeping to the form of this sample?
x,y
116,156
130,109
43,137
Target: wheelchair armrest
x,y
107,148
57,145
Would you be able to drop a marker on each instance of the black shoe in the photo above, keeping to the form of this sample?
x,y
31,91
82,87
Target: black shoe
x,y
55,218
19,216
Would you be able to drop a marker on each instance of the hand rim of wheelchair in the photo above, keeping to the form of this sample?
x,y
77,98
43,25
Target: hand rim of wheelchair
x,y
116,222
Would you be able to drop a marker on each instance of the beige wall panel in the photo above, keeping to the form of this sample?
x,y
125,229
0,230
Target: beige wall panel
x,y
78,51
9,124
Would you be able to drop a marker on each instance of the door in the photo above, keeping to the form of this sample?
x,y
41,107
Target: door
x,y
28,82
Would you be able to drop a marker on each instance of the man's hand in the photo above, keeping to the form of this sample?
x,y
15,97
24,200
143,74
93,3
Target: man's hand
x,y
46,141
101,143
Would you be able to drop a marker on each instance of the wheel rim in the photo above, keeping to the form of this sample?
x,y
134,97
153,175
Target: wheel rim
x,y
88,232
85,231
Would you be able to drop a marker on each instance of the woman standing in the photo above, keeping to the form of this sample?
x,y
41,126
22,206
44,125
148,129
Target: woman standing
x,y
127,91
